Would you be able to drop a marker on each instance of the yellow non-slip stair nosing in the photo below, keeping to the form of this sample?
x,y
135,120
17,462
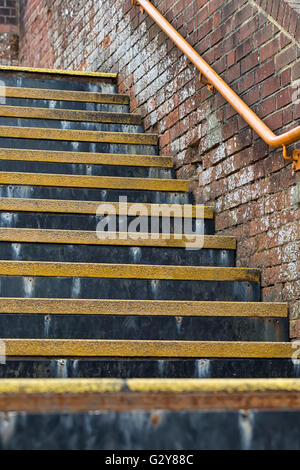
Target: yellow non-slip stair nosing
x,y
127,271
60,386
44,306
91,207
86,158
145,348
70,135
202,385
63,95
78,237
99,182
75,73
81,386
70,115
126,395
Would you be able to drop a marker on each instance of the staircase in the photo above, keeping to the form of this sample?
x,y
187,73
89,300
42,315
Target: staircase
x,y
101,332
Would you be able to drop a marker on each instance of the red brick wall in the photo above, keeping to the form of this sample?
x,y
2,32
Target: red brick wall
x,y
254,46
59,33
9,32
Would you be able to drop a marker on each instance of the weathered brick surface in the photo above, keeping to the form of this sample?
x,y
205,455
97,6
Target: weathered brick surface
x,y
254,45
9,32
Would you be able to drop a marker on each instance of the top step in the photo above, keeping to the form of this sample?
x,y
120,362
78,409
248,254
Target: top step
x,y
58,79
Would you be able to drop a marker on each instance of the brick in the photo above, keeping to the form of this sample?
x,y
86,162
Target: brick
x,y
249,62
264,71
296,70
244,14
248,29
263,35
270,86
244,49
286,57
269,49
284,98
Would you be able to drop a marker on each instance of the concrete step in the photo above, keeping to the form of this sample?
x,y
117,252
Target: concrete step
x,y
70,119
80,215
82,146
86,158
127,281
63,95
92,164
64,99
107,247
143,320
149,368
112,107
35,115
55,284
37,133
150,414
20,191
143,328
28,77
88,170
164,430
110,253
99,182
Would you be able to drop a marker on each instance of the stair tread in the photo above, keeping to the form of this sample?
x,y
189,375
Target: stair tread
x,y
75,73
141,307
101,182
90,207
38,133
127,271
70,115
145,348
64,95
86,158
115,238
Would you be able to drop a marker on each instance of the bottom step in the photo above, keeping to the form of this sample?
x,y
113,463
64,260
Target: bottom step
x,y
150,414
152,430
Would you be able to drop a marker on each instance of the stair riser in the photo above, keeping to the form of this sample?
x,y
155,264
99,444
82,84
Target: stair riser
x,y
80,105
82,169
148,430
100,288
143,328
149,368
72,125
113,254
80,84
70,146
81,194
89,222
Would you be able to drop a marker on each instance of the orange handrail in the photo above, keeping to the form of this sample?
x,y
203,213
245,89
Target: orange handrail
x,y
216,81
